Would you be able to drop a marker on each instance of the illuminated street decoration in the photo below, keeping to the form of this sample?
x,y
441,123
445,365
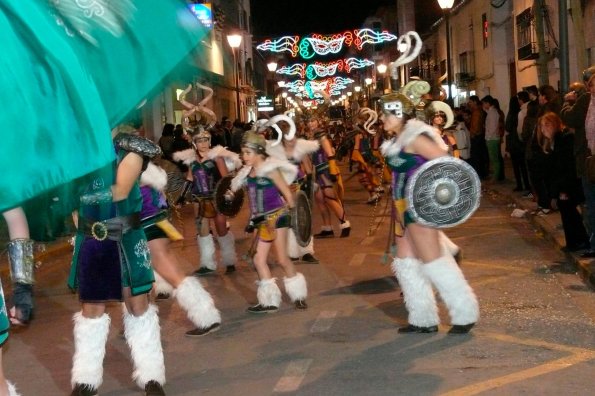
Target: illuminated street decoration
x,y
369,36
318,44
319,69
285,43
297,69
354,63
332,86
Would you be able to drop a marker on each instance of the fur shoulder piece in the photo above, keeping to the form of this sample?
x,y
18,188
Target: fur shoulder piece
x,y
154,176
232,160
413,129
240,178
287,169
304,147
187,156
137,144
277,151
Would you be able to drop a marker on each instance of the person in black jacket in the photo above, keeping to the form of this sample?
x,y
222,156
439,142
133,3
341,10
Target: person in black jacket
x,y
564,186
515,147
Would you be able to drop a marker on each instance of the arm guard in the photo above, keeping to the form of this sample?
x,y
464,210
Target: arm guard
x,y
97,197
139,145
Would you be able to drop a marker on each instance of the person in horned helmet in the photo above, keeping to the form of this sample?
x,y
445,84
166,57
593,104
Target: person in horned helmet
x,y
206,167
297,151
421,261
267,181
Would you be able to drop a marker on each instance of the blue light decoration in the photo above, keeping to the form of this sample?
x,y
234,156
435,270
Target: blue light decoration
x,y
332,86
204,13
320,69
318,44
297,69
354,63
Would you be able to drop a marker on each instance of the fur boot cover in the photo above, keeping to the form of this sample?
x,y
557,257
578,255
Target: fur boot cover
x,y
12,390
90,336
294,249
161,285
296,287
268,293
417,292
456,293
207,251
227,243
143,337
197,303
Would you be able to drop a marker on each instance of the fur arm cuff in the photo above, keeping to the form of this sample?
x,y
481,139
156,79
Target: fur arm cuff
x,y
232,160
187,156
154,176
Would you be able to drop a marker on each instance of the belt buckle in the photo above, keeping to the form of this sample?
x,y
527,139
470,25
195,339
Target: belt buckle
x,y
99,230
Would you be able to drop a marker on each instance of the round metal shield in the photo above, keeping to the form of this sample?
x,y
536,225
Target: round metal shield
x,y
443,192
225,205
301,219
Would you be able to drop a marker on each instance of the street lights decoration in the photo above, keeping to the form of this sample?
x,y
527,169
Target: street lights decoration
x,y
234,41
446,5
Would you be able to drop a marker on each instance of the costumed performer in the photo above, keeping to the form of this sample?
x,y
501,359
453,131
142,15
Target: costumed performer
x,y
267,181
188,291
362,155
297,151
112,262
206,167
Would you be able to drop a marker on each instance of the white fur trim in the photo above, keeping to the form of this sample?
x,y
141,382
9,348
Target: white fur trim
x,y
232,160
287,169
454,290
268,293
413,128
12,390
227,243
417,292
154,176
296,287
161,285
90,336
197,303
187,156
207,251
305,147
240,178
277,151
144,339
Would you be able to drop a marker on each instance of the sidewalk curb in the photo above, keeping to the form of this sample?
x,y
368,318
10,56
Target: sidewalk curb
x,y
584,267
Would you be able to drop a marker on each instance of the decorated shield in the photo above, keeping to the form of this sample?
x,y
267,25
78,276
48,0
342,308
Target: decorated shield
x,y
301,219
443,193
226,204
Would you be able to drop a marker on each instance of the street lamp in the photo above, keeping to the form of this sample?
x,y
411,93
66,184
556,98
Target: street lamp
x,y
381,69
272,67
234,41
446,5
368,82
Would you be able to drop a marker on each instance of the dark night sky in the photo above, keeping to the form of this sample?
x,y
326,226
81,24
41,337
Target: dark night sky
x,y
274,18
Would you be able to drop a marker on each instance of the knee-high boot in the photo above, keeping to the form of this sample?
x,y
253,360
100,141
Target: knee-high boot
x,y
417,292
207,252
445,274
268,295
198,304
90,336
296,287
227,243
143,337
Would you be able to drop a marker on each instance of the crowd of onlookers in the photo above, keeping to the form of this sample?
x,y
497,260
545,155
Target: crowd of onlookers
x,y
549,138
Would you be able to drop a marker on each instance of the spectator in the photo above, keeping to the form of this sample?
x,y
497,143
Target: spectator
x,y
501,130
166,140
517,112
549,100
235,136
478,159
578,112
564,187
492,135
461,134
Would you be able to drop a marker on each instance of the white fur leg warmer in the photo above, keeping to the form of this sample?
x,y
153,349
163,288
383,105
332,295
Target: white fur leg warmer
x,y
90,336
268,293
197,303
417,292
294,249
456,293
227,243
296,287
161,285
143,336
12,390
206,246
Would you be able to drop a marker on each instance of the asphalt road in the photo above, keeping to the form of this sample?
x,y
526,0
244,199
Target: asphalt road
x,y
535,336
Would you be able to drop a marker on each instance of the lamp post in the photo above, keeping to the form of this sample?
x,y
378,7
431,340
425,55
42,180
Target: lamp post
x,y
446,5
381,69
368,82
234,41
272,67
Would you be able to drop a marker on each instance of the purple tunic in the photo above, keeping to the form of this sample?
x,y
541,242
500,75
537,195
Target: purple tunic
x,y
264,196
